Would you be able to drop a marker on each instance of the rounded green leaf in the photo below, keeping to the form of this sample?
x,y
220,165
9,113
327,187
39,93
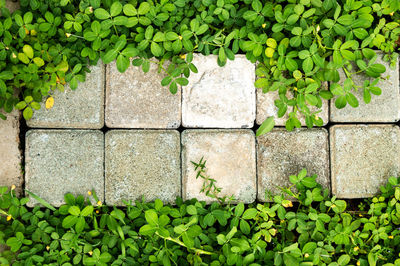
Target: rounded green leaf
x,y
130,10
101,13
144,8
115,9
27,113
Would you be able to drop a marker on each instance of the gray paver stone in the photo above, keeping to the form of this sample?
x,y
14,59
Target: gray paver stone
x,y
142,163
230,156
281,153
10,155
137,100
62,161
266,108
81,108
363,157
220,97
382,108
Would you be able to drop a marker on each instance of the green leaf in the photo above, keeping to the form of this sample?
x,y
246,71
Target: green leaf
x,y
250,214
156,49
40,200
341,102
344,259
311,99
266,126
110,56
80,225
27,113
151,217
122,63
308,65
20,105
88,210
130,10
115,9
352,100
38,61
182,81
336,89
74,210
23,58
147,230
173,87
144,8
101,13
69,221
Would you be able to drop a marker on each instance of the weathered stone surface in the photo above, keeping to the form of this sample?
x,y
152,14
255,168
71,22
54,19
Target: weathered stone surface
x,y
363,157
142,163
266,108
230,156
62,161
382,108
81,108
137,100
281,153
220,97
10,155
12,5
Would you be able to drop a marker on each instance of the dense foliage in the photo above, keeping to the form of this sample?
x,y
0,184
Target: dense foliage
x,y
50,42
316,230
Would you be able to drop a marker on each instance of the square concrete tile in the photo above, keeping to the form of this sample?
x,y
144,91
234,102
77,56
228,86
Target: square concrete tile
x,y
142,163
231,161
220,97
137,100
82,108
363,157
382,108
281,153
62,161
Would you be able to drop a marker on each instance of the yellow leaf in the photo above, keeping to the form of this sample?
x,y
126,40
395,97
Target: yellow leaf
x,y
271,43
269,52
49,102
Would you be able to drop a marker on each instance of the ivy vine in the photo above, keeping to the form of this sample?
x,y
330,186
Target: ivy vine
x,y
298,45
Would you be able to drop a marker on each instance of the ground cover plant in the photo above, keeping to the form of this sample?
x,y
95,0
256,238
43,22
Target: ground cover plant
x,y
299,45
316,230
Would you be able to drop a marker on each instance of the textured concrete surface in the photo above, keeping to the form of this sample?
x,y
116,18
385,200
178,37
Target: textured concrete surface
x,y
281,153
10,155
137,100
142,163
62,161
266,108
363,157
220,97
230,156
382,108
12,5
82,108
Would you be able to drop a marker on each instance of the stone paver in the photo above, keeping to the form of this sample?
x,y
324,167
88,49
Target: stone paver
x,y
62,161
142,163
220,97
81,108
266,108
137,100
12,5
281,153
363,157
10,155
230,156
382,108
